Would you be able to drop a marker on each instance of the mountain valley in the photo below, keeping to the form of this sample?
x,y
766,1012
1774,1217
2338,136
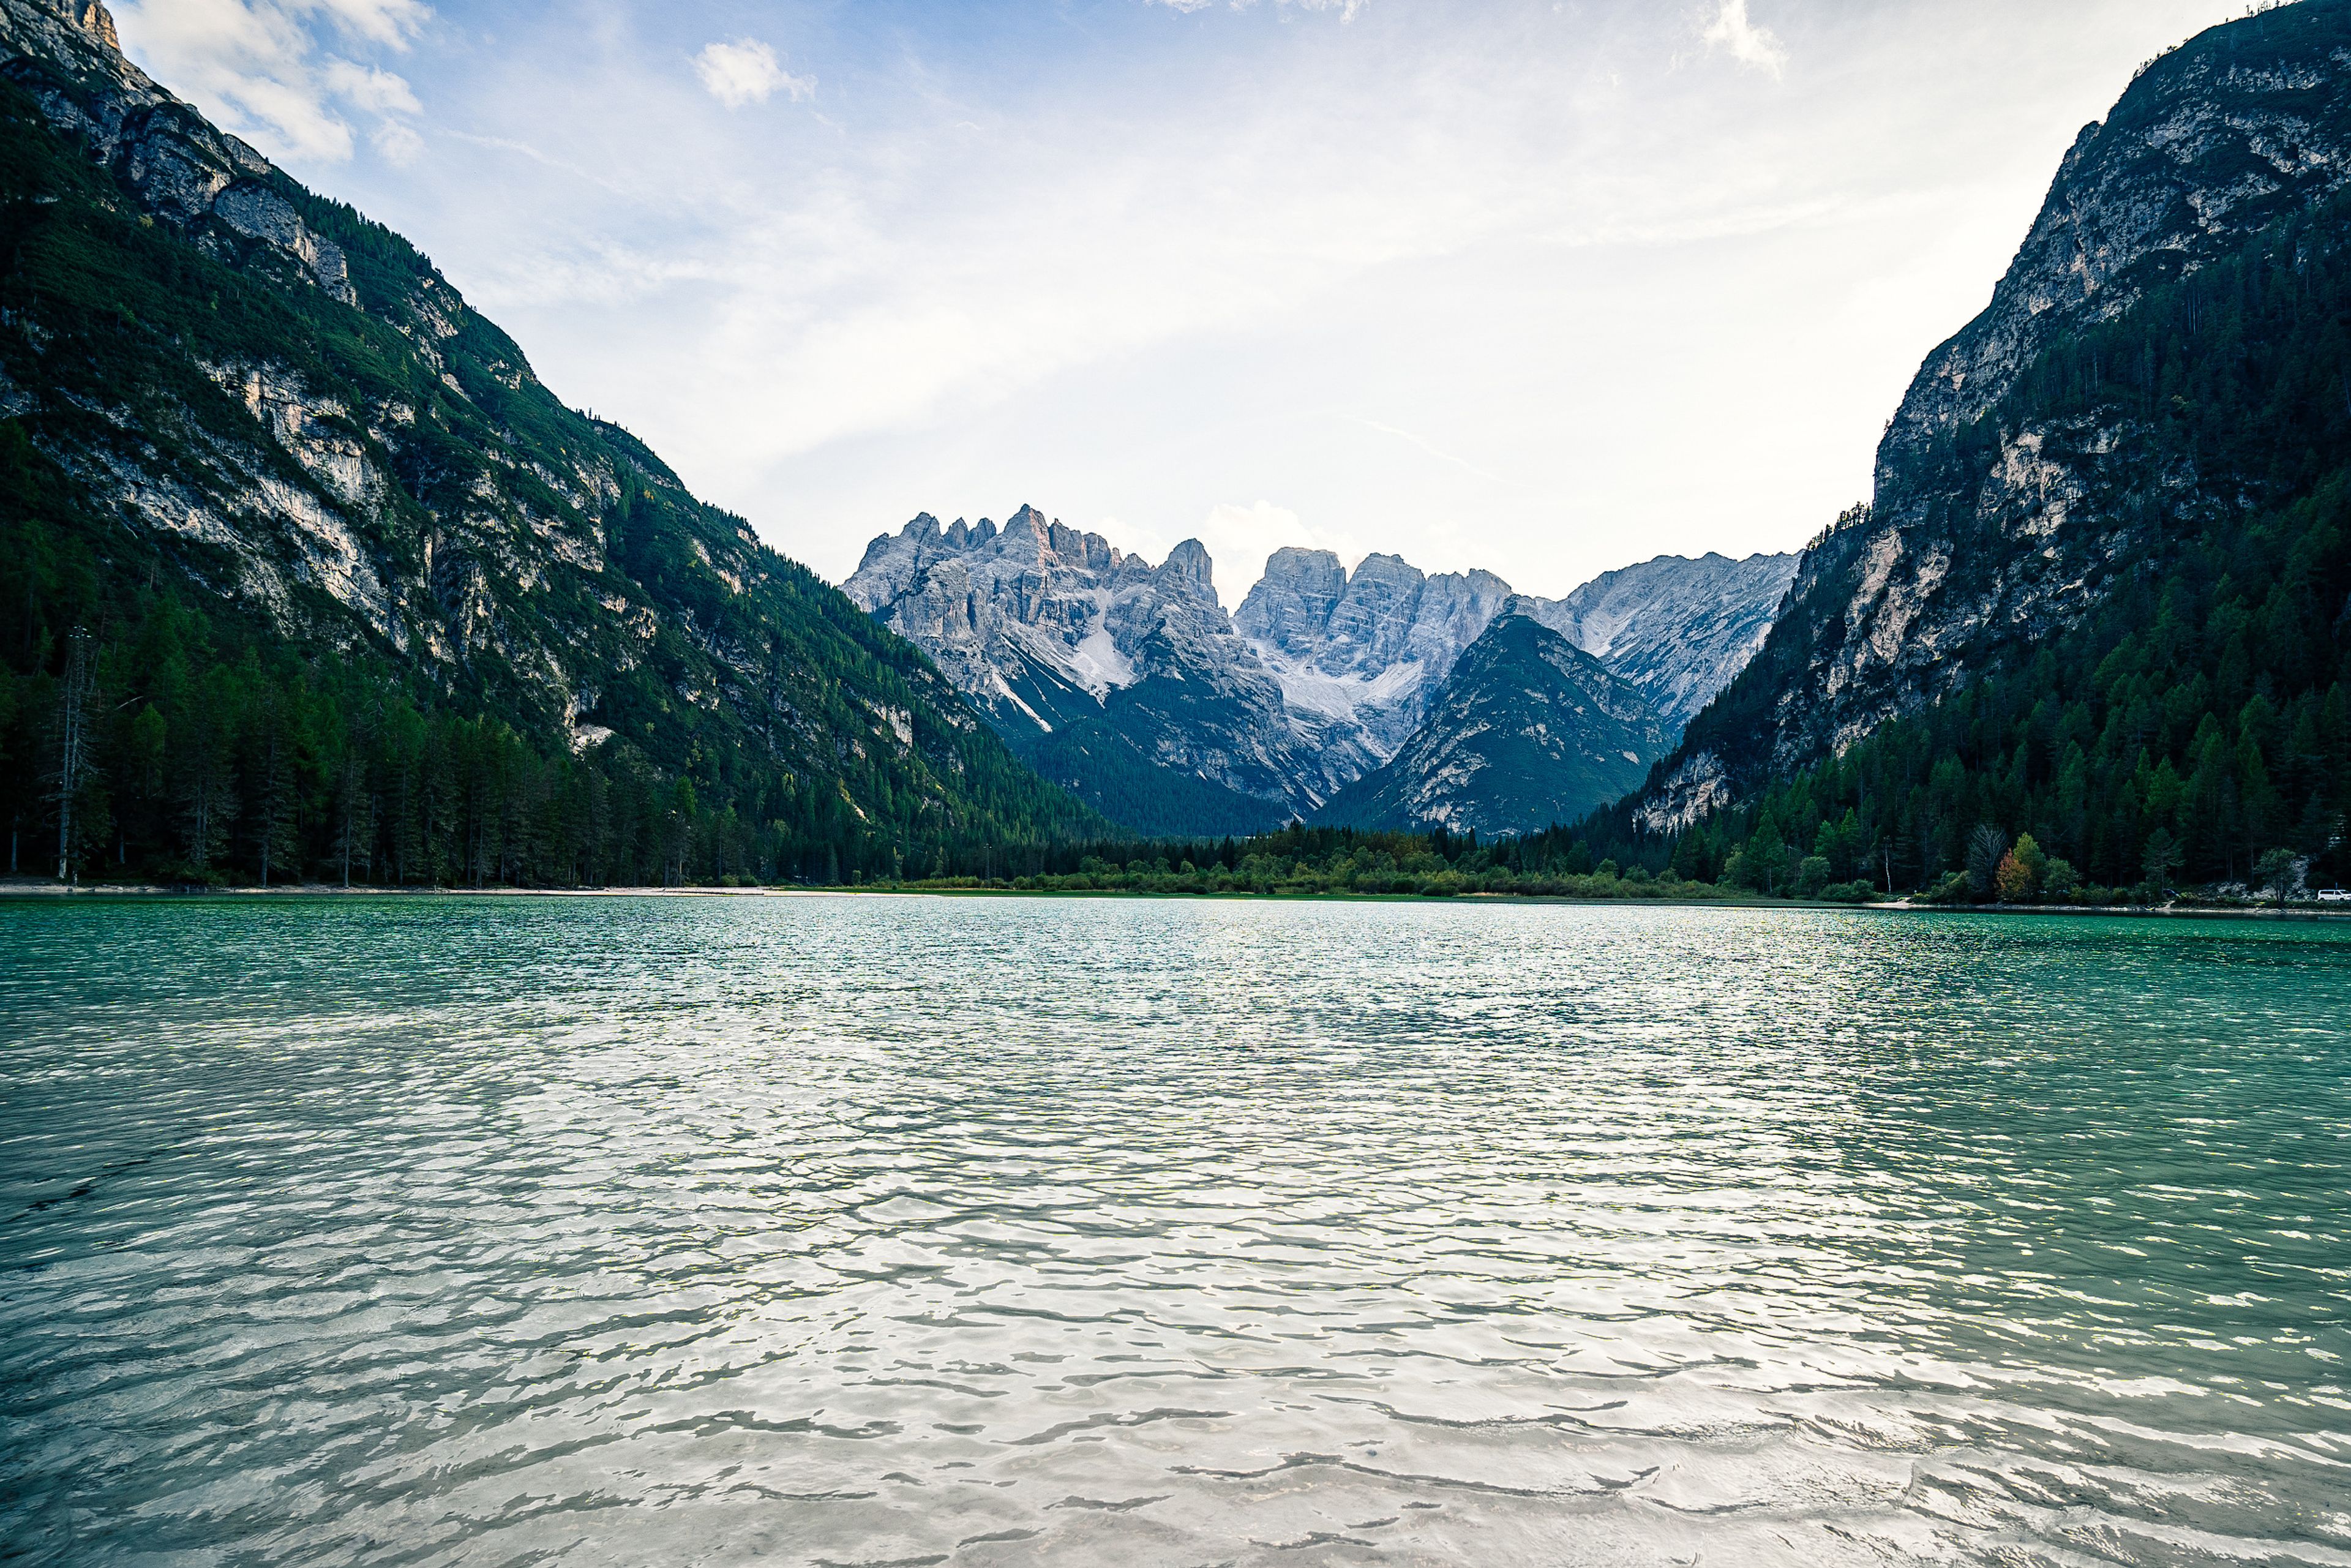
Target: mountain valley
x,y
304,572
1131,686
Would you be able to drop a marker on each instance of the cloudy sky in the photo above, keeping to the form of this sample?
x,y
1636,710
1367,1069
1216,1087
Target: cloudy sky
x,y
1541,286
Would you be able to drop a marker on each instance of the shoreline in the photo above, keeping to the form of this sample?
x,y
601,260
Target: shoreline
x,y
35,889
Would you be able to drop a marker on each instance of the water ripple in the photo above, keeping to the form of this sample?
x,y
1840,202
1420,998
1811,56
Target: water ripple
x,y
883,1230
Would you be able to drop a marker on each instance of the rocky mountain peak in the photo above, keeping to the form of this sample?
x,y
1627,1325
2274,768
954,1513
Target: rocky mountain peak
x,y
1364,648
1527,731
1104,670
78,35
1189,570
1291,603
1318,677
207,185
100,24
2210,144
1678,629
962,536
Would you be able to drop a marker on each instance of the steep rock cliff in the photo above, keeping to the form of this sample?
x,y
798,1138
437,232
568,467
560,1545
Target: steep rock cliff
x,y
2005,513
231,389
1122,680
1364,650
1678,630
1373,649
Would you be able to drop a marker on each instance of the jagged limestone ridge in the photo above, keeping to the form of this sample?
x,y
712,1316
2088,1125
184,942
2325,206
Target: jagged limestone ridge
x,y
1050,630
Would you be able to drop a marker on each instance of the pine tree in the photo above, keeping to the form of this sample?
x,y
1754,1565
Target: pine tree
x,y
207,777
274,784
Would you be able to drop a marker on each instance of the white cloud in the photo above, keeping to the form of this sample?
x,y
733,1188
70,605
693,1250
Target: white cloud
x,y
390,22
254,66
369,89
1749,44
748,71
1347,10
1471,281
399,144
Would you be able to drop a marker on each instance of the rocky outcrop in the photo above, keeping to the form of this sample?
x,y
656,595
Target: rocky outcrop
x,y
1529,730
207,183
1693,789
1016,617
1364,651
331,514
1290,609
1996,524
1049,629
1374,648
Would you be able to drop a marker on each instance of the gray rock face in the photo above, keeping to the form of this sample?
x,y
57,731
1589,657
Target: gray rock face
x,y
1528,731
1373,649
1974,548
1679,629
1364,652
999,610
1291,606
1317,678
189,172
2238,128
1047,629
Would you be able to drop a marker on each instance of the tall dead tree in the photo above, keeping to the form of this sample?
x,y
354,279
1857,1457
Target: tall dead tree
x,y
73,740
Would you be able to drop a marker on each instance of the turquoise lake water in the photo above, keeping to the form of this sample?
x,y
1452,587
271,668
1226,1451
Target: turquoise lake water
x,y
902,1230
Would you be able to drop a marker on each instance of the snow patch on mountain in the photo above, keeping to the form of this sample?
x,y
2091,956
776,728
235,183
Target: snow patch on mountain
x,y
1321,677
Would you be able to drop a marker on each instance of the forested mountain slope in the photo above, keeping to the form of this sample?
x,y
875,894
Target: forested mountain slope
x,y
1529,731
302,570
2103,595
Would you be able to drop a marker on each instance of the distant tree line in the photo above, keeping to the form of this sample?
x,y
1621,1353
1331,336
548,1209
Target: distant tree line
x,y
1299,861
150,742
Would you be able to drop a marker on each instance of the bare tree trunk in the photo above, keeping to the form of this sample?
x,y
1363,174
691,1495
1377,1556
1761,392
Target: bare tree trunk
x,y
73,743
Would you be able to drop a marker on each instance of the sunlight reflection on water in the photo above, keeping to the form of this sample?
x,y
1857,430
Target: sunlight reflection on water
x,y
897,1230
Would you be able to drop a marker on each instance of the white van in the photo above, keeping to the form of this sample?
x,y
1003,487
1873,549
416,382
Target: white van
x,y
2334,896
